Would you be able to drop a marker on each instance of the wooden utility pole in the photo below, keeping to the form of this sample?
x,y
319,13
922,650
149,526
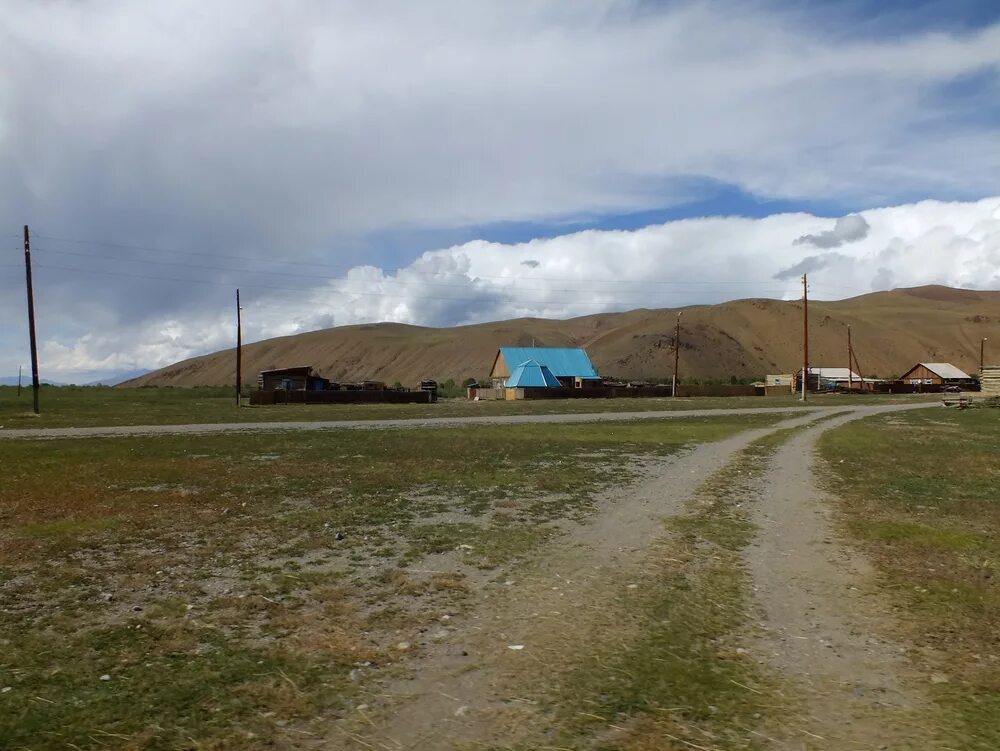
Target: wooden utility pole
x,y
861,373
239,348
19,367
982,352
31,319
805,336
850,356
677,352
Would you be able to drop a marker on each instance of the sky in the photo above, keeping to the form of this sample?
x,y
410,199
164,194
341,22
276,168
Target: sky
x,y
446,162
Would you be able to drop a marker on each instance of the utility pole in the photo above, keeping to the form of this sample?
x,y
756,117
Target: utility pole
x,y
850,356
805,336
19,367
31,319
861,373
239,347
677,352
982,352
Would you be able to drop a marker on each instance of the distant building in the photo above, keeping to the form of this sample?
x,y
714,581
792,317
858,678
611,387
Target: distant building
x,y
570,366
300,378
300,385
828,379
831,378
936,374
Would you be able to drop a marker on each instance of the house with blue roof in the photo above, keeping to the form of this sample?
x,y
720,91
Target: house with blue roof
x,y
532,374
543,367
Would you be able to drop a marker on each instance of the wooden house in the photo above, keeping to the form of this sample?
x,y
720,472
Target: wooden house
x,y
570,366
936,374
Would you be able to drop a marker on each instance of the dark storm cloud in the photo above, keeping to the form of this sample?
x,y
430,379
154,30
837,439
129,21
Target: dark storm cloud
x,y
847,229
809,264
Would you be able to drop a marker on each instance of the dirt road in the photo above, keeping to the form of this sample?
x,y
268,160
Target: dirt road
x,y
827,630
433,422
828,642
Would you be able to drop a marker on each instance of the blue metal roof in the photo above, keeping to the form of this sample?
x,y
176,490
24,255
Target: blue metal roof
x,y
532,374
563,362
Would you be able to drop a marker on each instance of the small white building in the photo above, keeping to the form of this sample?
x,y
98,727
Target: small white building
x,y
833,377
779,379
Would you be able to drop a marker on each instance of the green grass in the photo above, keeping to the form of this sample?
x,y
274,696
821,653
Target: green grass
x,y
922,491
202,574
101,406
151,665
667,670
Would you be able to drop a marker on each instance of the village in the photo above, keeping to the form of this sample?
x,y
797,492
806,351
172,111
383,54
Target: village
x,y
604,375
519,373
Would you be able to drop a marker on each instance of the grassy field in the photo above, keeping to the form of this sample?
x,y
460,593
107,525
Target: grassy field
x,y
922,491
233,592
80,407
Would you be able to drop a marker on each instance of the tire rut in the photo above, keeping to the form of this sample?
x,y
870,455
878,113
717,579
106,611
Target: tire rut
x,y
465,691
826,628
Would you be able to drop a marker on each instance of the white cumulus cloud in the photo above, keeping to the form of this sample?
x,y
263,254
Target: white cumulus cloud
x,y
678,263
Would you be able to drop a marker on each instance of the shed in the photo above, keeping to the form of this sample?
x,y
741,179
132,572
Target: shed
x,y
569,365
939,373
829,378
532,374
835,376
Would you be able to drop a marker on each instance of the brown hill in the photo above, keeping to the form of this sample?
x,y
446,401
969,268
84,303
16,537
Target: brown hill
x,y
746,338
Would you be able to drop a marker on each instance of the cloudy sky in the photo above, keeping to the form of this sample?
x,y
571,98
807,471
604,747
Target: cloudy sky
x,y
448,162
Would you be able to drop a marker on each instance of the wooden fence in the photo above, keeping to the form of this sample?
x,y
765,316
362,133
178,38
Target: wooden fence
x,y
267,398
620,392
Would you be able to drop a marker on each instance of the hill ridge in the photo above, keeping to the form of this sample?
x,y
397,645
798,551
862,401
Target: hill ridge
x,y
745,338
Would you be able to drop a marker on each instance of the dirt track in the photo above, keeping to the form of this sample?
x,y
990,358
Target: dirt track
x,y
434,422
826,640
827,629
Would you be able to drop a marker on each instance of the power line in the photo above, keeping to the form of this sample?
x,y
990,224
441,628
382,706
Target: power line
x,y
349,291
396,270
387,280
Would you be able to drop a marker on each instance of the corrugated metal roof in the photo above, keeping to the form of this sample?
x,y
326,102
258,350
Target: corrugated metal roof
x,y
945,370
562,361
532,374
295,370
835,374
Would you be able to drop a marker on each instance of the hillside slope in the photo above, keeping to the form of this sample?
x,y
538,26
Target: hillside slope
x,y
746,338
